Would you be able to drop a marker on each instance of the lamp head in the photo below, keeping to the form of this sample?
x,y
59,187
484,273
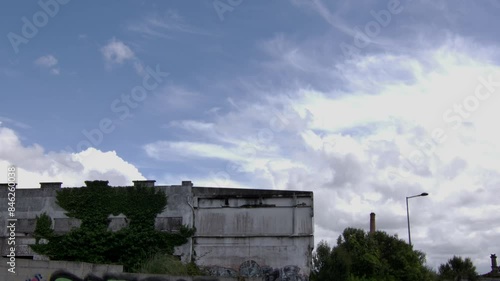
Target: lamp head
x,y
424,194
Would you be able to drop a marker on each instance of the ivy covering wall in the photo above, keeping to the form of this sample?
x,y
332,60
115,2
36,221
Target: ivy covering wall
x,y
93,242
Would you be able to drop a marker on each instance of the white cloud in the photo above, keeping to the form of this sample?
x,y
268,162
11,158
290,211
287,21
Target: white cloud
x,y
116,52
49,62
350,146
55,71
174,98
209,180
36,165
46,61
139,67
162,150
14,123
164,26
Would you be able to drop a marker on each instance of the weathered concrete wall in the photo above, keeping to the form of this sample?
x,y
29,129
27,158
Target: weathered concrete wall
x,y
246,232
253,231
178,212
33,202
235,221
29,270
29,204
271,251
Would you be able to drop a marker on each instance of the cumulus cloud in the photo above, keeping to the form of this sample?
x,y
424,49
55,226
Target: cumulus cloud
x,y
116,52
397,125
48,62
37,165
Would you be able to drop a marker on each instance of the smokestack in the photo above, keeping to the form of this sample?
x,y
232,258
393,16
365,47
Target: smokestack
x,y
372,222
494,267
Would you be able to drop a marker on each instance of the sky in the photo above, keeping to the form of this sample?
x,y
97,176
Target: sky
x,y
362,102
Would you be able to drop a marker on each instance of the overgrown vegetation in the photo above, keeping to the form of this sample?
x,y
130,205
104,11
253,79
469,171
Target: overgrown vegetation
x,y
168,264
359,256
43,228
458,268
93,242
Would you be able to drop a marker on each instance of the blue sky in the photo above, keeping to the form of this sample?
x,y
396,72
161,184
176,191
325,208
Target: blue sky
x,y
362,102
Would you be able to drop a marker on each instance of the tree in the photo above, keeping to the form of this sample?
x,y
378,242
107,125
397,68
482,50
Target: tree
x,y
359,256
458,269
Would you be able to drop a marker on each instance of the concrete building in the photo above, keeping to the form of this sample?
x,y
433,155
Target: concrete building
x,y
249,232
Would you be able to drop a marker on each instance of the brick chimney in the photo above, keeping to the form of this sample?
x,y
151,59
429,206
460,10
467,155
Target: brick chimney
x,y
50,184
147,183
187,183
372,222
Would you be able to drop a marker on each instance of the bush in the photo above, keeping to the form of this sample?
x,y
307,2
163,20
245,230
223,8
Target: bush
x,y
168,264
43,228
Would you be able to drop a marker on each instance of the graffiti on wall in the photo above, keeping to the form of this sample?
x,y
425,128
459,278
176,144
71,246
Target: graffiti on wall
x,y
36,277
251,268
248,269
62,275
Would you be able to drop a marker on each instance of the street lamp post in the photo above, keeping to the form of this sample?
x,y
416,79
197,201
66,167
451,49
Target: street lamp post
x,y
408,213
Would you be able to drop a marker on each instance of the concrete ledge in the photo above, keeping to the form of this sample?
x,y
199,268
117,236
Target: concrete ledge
x,y
27,269
36,264
58,264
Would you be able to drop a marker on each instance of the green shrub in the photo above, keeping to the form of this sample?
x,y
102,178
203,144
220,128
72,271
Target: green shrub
x,y
168,264
43,228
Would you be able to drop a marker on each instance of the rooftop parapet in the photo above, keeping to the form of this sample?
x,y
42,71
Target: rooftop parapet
x,y
147,183
50,184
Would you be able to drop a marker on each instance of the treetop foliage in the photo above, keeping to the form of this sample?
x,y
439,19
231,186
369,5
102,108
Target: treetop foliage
x,y
458,269
363,256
